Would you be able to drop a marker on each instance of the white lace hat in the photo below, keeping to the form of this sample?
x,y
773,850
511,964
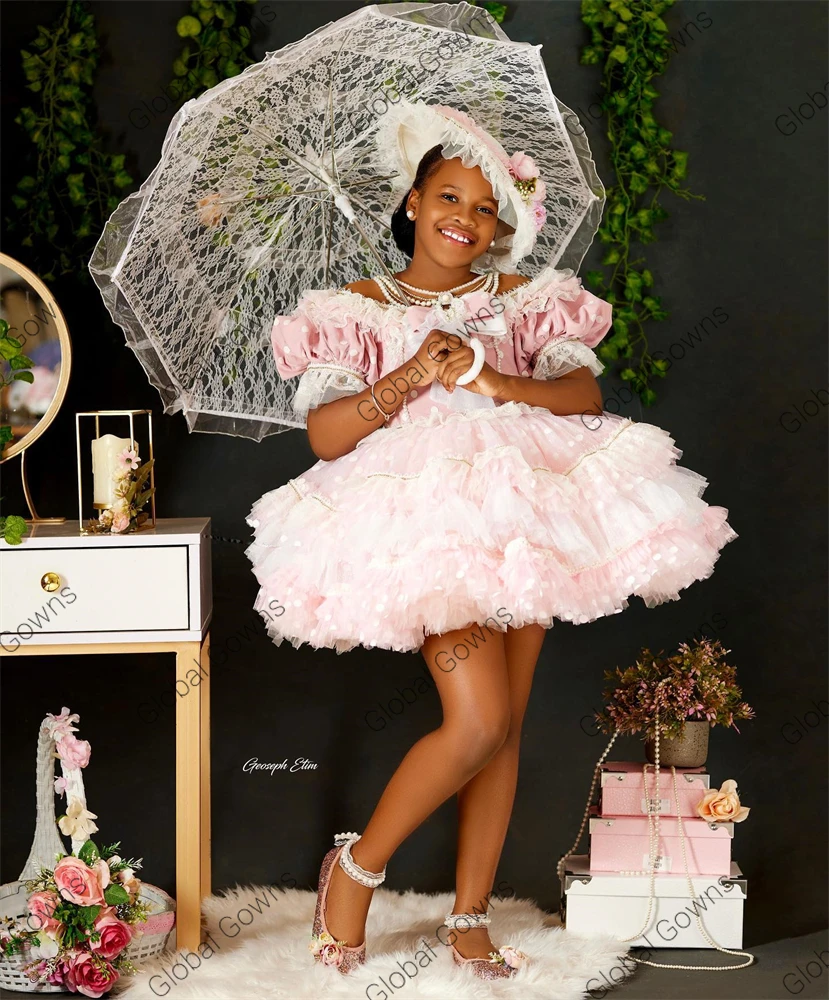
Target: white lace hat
x,y
409,129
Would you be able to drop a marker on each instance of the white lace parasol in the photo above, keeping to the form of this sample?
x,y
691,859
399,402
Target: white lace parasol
x,y
269,185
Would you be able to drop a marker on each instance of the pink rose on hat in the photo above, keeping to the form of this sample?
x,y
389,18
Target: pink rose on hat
x,y
530,186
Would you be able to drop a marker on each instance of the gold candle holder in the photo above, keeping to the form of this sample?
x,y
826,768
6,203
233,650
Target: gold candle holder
x,y
98,414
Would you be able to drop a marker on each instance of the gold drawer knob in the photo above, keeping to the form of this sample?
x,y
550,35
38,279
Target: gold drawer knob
x,y
50,581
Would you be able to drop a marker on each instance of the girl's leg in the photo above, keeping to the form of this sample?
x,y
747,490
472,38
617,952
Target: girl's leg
x,y
474,695
485,801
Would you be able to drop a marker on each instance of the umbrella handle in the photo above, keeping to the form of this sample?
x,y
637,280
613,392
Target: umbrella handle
x,y
477,364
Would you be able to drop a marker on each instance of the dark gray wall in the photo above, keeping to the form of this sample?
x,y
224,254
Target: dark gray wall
x,y
754,251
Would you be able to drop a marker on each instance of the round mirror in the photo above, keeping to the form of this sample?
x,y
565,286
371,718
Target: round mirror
x,y
37,324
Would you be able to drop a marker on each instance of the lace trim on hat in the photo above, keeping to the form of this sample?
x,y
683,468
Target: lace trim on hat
x,y
323,383
558,357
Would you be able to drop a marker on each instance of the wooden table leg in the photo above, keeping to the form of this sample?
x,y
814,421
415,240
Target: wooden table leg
x,y
190,835
204,694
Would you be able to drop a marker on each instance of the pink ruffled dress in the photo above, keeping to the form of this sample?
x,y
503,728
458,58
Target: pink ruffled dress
x,y
501,513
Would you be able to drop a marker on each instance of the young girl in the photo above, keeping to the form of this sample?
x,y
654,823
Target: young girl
x,y
461,519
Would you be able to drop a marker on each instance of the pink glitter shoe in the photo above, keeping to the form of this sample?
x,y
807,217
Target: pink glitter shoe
x,y
322,944
501,964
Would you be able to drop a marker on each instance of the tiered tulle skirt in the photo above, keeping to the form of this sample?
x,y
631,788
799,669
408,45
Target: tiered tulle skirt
x,y
511,515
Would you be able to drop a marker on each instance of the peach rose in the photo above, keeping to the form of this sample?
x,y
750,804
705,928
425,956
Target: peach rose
x,y
84,976
42,908
115,934
77,882
723,806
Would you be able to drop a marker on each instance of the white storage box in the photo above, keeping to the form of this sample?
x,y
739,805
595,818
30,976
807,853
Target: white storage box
x,y
606,903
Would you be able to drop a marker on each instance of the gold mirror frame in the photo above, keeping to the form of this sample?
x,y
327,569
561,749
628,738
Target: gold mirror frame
x,y
19,447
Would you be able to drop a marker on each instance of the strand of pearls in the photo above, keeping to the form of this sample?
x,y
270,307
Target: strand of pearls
x,y
586,814
430,291
485,282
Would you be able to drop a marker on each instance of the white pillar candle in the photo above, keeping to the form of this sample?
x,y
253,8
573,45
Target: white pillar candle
x,y
105,452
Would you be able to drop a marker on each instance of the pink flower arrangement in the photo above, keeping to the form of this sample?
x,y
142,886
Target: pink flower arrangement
x,y
125,514
82,916
530,186
693,685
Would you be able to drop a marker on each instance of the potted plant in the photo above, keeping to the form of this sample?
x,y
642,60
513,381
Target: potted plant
x,y
693,690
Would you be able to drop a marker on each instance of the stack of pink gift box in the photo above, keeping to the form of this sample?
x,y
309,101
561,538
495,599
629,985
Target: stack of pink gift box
x,y
607,891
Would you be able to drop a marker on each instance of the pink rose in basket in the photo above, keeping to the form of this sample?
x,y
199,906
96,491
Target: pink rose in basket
x,y
42,907
115,934
37,973
723,806
74,752
77,882
84,976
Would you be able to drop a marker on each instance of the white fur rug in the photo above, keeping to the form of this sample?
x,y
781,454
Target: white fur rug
x,y
259,937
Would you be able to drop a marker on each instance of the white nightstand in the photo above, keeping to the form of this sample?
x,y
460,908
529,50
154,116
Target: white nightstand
x,y
57,588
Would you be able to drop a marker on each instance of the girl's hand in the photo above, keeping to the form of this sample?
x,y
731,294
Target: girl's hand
x,y
488,383
437,347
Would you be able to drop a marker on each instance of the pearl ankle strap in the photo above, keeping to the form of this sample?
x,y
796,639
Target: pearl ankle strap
x,y
469,919
369,879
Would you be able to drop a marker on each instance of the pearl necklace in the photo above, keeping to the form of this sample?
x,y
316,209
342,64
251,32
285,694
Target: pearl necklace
x,y
653,845
484,282
430,291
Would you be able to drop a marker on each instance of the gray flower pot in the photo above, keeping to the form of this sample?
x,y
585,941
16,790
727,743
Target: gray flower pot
x,y
689,750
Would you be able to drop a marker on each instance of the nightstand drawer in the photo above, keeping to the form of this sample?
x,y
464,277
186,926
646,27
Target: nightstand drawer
x,y
102,589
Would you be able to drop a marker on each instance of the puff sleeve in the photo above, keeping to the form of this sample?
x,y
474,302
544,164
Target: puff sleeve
x,y
557,329
334,353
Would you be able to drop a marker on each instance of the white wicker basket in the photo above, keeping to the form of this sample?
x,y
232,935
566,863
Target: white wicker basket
x,y
153,935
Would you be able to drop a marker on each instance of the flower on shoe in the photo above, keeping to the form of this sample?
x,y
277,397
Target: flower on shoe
x,y
509,956
512,956
723,806
326,949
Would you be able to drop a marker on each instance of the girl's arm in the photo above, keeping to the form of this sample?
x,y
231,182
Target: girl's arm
x,y
335,428
576,391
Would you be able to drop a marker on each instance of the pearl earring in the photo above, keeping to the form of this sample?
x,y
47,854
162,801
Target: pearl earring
x,y
410,214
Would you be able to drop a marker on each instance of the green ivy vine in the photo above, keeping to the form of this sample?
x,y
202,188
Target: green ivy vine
x,y
631,40
215,48
70,184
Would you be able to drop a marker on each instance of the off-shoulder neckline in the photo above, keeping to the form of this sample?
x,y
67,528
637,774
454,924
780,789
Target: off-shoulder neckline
x,y
517,292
